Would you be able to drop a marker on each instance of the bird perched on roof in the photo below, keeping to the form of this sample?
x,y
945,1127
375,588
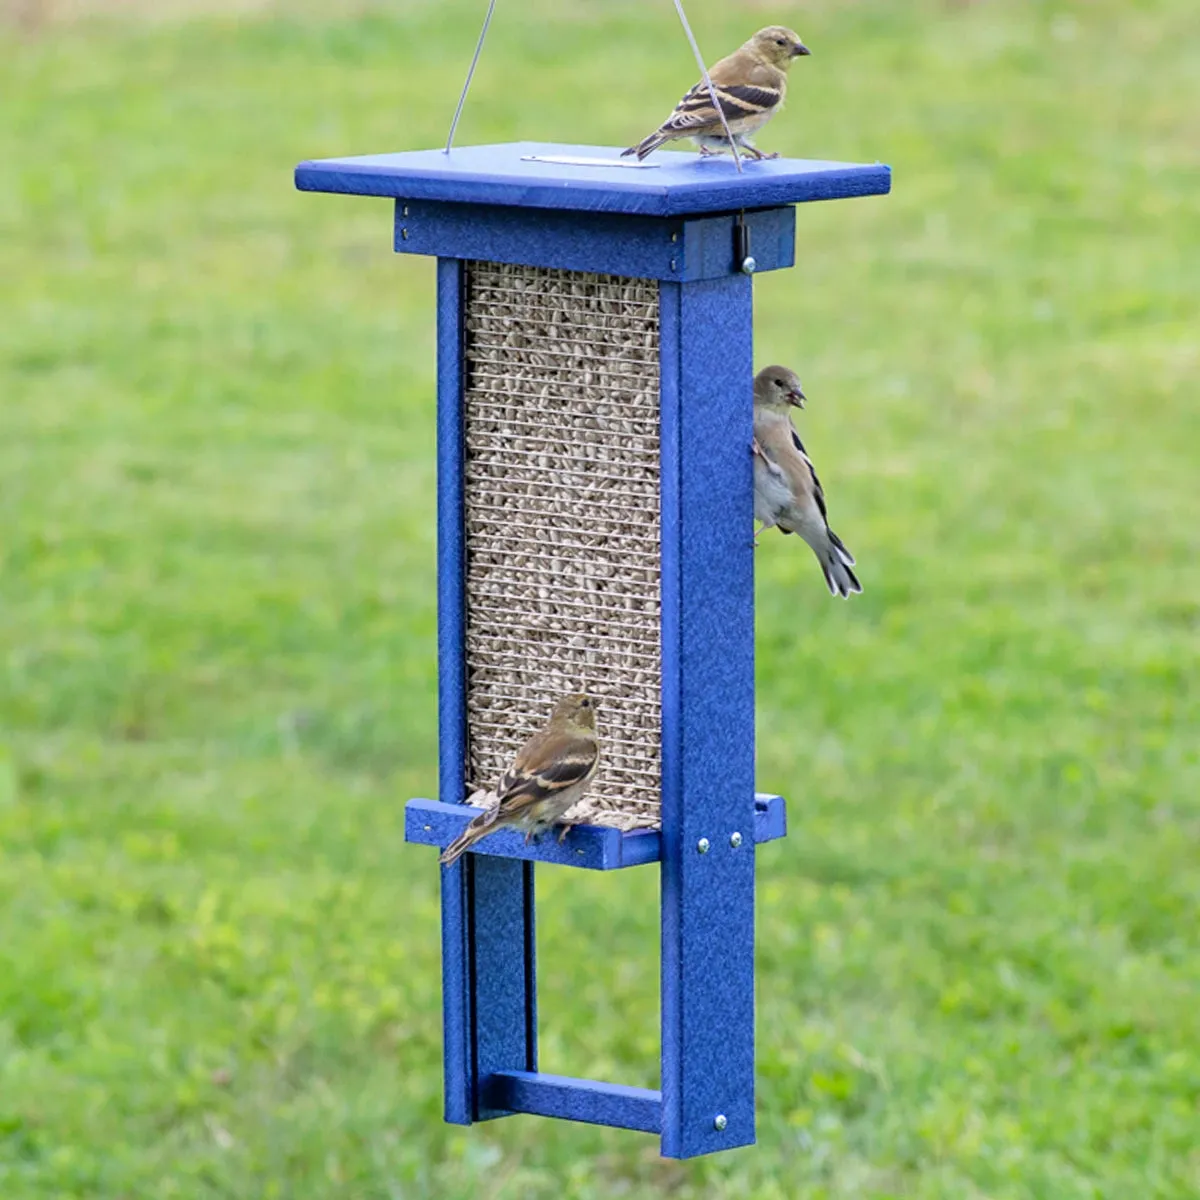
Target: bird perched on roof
x,y
787,492
550,773
750,84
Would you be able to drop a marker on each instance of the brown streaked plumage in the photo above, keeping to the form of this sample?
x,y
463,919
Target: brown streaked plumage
x,y
550,773
751,84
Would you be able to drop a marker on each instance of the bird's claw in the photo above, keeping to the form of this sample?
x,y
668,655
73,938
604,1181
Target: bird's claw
x,y
563,835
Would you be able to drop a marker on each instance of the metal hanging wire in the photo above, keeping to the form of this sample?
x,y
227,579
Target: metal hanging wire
x,y
708,83
470,75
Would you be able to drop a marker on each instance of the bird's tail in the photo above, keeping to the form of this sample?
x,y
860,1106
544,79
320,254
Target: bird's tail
x,y
837,563
480,827
647,145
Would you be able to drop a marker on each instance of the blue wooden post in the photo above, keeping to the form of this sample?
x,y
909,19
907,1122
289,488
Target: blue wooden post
x,y
690,225
708,718
489,994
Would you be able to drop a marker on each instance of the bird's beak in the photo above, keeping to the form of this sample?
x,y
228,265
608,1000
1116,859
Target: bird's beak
x,y
799,50
796,398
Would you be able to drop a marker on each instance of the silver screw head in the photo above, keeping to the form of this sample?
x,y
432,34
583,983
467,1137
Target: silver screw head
x,y
702,845
749,266
735,840
720,1121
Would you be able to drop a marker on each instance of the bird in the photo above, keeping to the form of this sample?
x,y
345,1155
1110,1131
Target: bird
x,y
750,84
787,492
549,774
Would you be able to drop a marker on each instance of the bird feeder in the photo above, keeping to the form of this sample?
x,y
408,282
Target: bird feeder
x,y
594,499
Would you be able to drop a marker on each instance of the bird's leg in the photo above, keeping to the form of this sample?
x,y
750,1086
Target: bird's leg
x,y
563,835
705,152
754,151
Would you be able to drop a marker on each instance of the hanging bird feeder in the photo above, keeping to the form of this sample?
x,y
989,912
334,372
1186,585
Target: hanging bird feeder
x,y
595,361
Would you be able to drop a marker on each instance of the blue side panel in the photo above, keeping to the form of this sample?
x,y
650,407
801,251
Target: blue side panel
x,y
708,718
504,985
488,969
456,950
609,243
451,548
456,999
527,175
576,1099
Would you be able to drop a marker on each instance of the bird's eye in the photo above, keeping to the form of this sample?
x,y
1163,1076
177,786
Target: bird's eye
x,y
779,383
585,703
780,42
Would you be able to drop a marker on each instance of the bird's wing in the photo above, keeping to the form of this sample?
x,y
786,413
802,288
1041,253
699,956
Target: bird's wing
x,y
744,89
784,447
549,764
818,492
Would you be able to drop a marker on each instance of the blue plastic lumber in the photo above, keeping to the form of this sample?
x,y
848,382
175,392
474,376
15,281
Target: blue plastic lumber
x,y
457,1019
708,718
432,823
609,243
503,970
489,1001
668,184
576,1099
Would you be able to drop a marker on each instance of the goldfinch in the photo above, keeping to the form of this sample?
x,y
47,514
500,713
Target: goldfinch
x,y
750,84
550,773
787,492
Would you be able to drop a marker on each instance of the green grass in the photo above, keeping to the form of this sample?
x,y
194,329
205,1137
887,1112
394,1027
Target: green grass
x,y
979,958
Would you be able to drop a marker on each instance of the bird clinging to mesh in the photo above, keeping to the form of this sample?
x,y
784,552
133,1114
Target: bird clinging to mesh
x,y
550,773
750,84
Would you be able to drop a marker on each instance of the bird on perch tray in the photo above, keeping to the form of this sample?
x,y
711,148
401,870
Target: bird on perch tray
x,y
550,774
750,84
787,492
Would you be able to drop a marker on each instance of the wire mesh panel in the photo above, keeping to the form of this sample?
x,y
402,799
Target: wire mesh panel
x,y
562,522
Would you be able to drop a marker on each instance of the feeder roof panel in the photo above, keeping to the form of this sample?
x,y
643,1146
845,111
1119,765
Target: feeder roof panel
x,y
592,179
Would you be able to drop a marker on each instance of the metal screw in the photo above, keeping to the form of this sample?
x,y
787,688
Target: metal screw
x,y
404,211
735,840
720,1121
674,237
702,845
427,828
404,234
673,264
749,266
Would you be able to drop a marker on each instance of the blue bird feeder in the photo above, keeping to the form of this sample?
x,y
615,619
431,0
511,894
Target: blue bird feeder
x,y
595,359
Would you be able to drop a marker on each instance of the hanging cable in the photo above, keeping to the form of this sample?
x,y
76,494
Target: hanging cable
x,y
708,83
470,75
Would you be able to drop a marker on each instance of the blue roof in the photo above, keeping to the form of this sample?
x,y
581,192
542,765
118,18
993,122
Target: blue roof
x,y
668,183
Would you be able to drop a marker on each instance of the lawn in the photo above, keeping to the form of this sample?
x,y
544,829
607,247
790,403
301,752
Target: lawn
x,y
979,948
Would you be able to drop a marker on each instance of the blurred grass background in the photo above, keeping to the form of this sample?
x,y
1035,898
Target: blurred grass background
x,y
979,960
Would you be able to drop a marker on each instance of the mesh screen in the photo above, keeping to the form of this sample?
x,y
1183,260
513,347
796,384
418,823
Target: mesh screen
x,y
562,507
